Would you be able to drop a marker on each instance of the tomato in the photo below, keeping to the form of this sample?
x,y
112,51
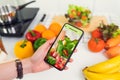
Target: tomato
x,y
58,66
96,44
65,52
71,16
78,13
96,33
78,24
73,12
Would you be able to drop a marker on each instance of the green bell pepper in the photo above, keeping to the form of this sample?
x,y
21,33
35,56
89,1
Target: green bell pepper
x,y
38,43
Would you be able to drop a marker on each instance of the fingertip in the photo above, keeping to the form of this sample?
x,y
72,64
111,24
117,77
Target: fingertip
x,y
66,68
75,50
71,60
51,40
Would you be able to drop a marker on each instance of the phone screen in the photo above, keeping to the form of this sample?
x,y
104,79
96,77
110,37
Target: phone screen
x,y
63,47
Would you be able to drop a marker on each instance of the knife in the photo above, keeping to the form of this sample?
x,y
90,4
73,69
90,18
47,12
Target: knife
x,y
43,17
2,46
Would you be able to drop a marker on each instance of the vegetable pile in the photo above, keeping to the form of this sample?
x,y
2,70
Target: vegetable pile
x,y
35,38
79,16
110,35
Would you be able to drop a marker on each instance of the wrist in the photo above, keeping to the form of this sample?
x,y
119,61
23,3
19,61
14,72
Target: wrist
x,y
27,66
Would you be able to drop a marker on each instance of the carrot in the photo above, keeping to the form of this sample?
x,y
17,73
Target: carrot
x,y
112,52
112,42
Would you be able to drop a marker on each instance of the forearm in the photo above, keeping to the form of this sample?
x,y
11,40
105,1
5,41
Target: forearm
x,y
8,70
27,66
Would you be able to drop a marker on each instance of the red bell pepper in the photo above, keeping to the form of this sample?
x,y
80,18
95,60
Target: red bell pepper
x,y
32,35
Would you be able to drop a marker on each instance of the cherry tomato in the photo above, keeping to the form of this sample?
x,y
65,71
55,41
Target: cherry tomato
x,y
78,24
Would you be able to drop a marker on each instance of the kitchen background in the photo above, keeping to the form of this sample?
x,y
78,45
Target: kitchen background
x,y
109,8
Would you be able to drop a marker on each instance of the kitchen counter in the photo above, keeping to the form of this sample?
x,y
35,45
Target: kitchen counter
x,y
83,57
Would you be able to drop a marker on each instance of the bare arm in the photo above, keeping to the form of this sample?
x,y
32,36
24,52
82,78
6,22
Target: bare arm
x,y
8,70
30,65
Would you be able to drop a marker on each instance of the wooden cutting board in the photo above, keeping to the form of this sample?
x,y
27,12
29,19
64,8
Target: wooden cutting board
x,y
94,23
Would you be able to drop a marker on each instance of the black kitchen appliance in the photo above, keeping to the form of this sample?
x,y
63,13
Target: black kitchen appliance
x,y
21,22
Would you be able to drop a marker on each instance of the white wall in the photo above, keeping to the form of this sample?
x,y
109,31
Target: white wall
x,y
60,6
109,6
14,2
97,6
11,2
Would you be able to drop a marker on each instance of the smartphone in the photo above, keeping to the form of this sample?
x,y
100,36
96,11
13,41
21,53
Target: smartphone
x,y
61,50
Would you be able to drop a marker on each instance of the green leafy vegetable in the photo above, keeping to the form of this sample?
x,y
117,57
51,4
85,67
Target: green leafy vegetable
x,y
116,33
109,31
66,47
60,47
51,60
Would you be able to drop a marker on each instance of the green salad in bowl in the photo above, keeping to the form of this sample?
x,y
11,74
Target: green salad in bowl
x,y
78,15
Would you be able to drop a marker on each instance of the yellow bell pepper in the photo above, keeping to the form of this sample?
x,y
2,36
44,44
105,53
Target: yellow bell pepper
x,y
23,49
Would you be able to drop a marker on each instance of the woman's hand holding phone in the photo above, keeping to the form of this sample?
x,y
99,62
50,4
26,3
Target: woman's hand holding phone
x,y
38,63
62,48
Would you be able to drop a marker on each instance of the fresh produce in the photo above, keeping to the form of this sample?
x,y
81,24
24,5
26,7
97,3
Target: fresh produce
x,y
96,33
32,35
35,38
107,70
40,28
108,31
78,23
55,27
98,76
79,16
112,42
23,49
107,66
38,43
116,33
110,34
112,52
48,34
96,44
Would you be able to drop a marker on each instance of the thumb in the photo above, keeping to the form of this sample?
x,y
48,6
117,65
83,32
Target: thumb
x,y
49,43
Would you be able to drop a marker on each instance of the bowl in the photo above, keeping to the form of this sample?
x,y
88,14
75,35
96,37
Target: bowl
x,y
78,15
